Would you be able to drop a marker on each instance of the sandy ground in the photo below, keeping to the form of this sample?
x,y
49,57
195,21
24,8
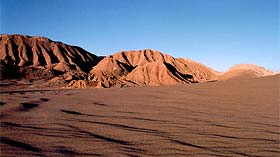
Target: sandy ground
x,y
226,118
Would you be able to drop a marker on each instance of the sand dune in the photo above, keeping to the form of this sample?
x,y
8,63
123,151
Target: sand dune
x,y
226,118
245,71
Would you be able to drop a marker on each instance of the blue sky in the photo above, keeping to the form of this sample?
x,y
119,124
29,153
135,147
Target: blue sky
x,y
217,33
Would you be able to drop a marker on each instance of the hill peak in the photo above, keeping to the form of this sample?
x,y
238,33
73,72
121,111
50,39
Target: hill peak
x,y
36,57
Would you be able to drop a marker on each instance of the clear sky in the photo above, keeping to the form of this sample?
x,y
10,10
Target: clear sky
x,y
218,33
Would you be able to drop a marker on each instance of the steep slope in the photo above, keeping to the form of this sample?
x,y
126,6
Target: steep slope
x,y
27,51
156,73
199,71
108,71
245,71
148,68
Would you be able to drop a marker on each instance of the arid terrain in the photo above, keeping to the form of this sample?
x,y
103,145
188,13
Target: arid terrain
x,y
38,62
60,100
238,117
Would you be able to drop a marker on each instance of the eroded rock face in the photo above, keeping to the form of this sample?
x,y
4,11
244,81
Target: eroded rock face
x,y
26,51
44,62
39,58
149,68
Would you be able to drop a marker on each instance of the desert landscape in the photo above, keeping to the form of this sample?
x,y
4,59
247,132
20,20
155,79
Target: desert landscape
x,y
39,62
60,100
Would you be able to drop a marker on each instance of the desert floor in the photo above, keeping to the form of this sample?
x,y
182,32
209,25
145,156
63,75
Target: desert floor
x,y
226,118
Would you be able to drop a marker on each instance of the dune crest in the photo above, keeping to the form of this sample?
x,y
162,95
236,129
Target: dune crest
x,y
245,71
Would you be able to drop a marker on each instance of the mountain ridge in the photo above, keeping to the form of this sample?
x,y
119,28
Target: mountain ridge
x,y
59,64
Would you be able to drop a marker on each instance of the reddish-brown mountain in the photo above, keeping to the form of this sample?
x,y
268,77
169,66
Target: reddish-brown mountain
x,y
148,68
41,52
56,64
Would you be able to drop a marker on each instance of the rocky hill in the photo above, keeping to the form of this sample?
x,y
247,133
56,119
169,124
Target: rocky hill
x,y
19,51
41,62
148,68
